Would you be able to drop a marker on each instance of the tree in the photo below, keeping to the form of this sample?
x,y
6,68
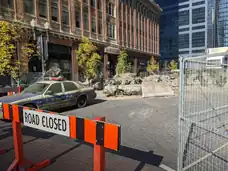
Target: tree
x,y
10,35
152,65
172,65
88,58
122,64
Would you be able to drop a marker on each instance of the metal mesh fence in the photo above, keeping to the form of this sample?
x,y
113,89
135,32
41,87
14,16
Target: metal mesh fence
x,y
203,116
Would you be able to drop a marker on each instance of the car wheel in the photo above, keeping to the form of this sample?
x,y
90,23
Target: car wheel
x,y
82,101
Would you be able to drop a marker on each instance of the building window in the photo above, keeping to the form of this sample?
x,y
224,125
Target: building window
x,y
65,13
111,30
43,8
111,8
99,26
198,39
29,6
99,4
54,10
183,41
93,3
7,3
78,19
198,15
93,24
85,19
184,18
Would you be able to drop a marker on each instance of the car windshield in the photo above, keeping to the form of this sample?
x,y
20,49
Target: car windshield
x,y
36,88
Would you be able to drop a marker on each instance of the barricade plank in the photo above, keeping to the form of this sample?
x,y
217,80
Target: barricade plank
x,y
90,131
72,127
111,142
96,132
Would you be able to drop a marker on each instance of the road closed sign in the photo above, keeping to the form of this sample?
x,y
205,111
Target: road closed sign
x,y
56,124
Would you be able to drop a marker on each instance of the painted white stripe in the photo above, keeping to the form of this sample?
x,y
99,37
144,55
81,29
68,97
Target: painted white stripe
x,y
166,167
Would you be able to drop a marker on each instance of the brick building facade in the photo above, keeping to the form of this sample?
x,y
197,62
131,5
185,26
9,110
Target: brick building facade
x,y
110,24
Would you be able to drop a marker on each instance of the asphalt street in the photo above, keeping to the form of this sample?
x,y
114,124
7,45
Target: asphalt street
x,y
148,137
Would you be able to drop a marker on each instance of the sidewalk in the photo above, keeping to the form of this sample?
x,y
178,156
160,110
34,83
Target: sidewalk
x,y
69,155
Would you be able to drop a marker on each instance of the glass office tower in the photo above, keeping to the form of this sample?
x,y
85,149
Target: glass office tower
x,y
192,27
217,23
168,30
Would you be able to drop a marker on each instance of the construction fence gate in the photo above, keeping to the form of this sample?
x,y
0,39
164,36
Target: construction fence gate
x,y
203,115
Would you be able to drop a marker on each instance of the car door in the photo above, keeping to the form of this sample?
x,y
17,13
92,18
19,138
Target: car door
x,y
54,96
71,92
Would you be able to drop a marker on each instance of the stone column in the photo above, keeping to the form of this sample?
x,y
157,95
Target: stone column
x,y
148,35
60,14
71,10
138,36
36,10
122,16
75,76
49,11
97,19
126,20
130,12
135,30
105,66
82,17
135,64
20,9
104,25
90,18
117,22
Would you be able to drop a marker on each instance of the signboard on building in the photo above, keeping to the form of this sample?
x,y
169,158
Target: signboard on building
x,y
112,50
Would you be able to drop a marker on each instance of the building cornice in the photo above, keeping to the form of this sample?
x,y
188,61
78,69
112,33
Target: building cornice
x,y
154,4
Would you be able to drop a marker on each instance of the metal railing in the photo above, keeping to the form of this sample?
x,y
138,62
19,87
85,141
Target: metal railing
x,y
203,116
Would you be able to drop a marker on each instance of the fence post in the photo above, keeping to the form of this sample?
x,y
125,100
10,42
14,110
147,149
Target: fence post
x,y
99,153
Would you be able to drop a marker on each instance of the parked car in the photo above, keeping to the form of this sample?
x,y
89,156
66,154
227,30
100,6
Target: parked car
x,y
52,95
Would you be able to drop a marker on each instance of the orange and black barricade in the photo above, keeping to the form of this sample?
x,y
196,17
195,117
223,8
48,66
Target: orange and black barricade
x,y
97,132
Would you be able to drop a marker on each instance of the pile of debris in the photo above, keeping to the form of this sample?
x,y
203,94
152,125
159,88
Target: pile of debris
x,y
125,84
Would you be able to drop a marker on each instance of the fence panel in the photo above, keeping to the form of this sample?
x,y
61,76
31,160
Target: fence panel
x,y
203,116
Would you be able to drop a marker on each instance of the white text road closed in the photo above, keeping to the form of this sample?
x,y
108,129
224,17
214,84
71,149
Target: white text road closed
x,y
57,124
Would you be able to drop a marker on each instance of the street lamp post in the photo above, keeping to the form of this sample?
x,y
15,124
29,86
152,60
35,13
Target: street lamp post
x,y
40,42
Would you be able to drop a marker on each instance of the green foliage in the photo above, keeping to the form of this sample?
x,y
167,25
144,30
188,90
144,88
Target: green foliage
x,y
122,64
88,58
172,65
152,65
10,34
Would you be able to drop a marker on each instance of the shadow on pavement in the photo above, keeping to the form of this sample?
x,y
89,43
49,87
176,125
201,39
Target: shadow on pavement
x,y
53,159
94,102
26,132
142,156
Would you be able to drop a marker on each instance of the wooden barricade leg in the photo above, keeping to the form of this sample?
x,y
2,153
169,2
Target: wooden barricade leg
x,y
20,161
99,153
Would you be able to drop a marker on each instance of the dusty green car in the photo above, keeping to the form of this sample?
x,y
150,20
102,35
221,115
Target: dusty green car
x,y
52,95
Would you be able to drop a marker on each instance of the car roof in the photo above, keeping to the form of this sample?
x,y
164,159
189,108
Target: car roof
x,y
51,81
